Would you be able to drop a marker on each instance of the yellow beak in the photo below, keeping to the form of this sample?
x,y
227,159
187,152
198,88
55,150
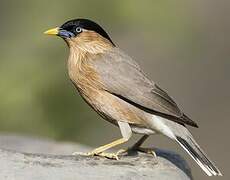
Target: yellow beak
x,y
53,31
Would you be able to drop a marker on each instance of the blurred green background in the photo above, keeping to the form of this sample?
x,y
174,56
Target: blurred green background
x,y
182,45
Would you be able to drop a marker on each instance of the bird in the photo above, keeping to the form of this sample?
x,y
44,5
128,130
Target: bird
x,y
116,87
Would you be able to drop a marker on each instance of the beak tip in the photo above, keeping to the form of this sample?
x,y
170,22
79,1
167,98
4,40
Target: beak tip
x,y
45,32
53,31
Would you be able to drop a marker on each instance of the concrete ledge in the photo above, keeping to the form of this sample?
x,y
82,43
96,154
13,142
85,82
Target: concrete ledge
x,y
16,165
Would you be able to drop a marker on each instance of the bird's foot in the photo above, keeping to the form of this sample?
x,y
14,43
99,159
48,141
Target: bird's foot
x,y
100,154
136,149
147,151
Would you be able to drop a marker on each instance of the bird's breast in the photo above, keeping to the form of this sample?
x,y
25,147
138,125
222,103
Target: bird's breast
x,y
84,77
88,83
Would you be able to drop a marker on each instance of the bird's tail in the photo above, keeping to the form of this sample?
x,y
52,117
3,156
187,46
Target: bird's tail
x,y
193,149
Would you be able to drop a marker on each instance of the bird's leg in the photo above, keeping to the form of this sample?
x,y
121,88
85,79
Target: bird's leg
x,y
146,150
139,142
100,150
137,147
126,133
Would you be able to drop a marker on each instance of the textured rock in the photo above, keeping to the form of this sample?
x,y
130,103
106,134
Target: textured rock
x,y
26,166
38,145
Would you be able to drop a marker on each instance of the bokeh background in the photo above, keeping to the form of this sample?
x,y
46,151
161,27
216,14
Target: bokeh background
x,y
182,45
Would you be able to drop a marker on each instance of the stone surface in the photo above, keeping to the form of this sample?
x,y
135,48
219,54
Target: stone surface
x,y
38,145
15,165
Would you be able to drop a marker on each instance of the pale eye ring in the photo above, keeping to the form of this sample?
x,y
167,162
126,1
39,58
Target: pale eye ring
x,y
78,29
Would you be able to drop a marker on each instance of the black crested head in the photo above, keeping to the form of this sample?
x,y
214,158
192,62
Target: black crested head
x,y
75,27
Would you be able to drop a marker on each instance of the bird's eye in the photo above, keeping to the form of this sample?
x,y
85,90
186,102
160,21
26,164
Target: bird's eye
x,y
78,29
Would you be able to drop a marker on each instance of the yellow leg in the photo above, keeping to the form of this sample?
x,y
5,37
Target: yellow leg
x,y
100,150
108,146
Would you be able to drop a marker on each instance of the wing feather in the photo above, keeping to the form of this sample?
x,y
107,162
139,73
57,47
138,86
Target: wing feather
x,y
122,77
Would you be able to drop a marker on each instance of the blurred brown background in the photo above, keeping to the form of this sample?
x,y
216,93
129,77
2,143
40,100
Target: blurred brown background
x,y
182,45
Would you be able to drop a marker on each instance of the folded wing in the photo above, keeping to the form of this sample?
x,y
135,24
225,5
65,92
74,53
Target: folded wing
x,y
122,77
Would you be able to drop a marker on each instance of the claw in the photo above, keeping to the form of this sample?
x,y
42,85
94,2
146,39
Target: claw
x,y
147,150
122,151
102,154
117,154
140,149
109,155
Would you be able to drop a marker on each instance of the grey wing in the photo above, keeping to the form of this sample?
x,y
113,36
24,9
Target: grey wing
x,y
122,77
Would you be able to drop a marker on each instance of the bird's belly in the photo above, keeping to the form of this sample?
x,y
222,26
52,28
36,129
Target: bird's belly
x,y
114,109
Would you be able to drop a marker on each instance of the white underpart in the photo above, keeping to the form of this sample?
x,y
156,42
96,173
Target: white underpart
x,y
159,125
141,130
